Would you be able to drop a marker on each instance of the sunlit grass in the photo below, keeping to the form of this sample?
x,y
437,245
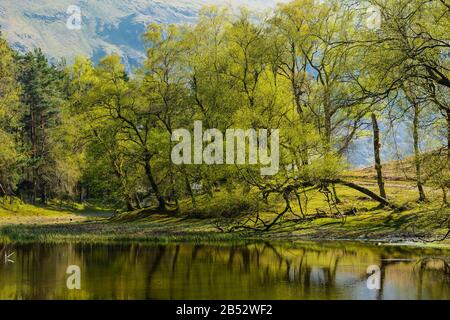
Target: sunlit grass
x,y
414,221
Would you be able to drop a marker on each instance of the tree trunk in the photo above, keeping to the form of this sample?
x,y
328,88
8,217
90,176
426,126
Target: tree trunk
x,y
336,198
417,164
2,191
376,151
81,190
174,193
43,195
189,189
327,128
138,201
448,136
444,196
34,155
130,206
35,188
155,188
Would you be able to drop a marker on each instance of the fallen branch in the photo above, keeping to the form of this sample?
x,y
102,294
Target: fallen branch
x,y
365,191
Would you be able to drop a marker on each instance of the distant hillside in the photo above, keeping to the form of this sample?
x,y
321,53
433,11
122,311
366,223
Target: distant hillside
x,y
107,25
399,170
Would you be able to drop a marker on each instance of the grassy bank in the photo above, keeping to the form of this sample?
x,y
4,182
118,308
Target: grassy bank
x,y
211,218
421,223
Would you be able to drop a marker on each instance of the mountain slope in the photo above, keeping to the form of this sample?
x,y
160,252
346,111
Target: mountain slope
x,y
107,25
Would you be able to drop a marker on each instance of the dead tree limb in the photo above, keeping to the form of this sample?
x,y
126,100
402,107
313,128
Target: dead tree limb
x,y
365,191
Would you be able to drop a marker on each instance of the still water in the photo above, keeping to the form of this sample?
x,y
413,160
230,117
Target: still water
x,y
249,271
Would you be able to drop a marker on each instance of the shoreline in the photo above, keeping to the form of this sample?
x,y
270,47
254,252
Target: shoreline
x,y
94,224
69,233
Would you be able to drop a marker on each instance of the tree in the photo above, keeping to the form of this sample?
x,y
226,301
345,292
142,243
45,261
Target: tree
x,y
416,110
10,113
376,148
165,86
414,44
42,96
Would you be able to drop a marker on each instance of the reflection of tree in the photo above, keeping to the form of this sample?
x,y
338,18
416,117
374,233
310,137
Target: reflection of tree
x,y
156,261
384,263
421,267
175,258
3,248
196,249
424,264
255,271
431,265
231,258
330,272
299,270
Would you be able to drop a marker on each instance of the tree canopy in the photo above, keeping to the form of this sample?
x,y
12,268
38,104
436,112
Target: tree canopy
x,y
313,70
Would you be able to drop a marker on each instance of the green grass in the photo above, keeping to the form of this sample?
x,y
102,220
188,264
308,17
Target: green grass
x,y
55,208
90,223
162,229
412,225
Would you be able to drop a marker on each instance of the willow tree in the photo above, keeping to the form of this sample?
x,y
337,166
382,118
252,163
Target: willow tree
x,y
166,90
107,102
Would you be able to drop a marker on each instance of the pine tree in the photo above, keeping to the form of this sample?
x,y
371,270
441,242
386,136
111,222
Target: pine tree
x,y
41,97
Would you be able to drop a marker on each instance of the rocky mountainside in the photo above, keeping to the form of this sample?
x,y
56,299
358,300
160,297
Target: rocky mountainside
x,y
107,25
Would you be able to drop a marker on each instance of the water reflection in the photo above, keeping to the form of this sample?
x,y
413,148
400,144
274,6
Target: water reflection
x,y
252,271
